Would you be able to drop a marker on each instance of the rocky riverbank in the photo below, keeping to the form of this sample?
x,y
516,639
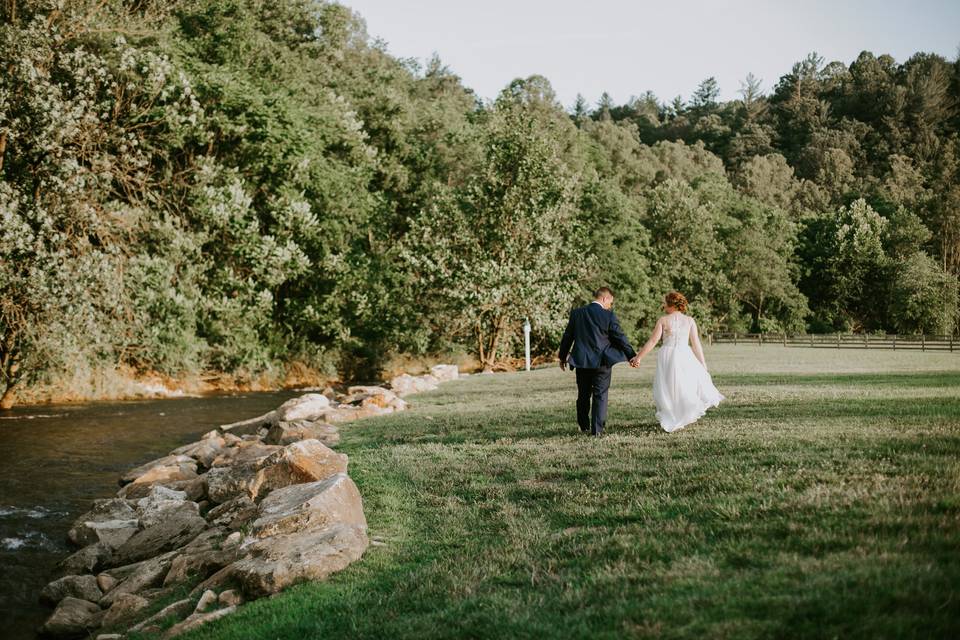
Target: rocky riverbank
x,y
246,511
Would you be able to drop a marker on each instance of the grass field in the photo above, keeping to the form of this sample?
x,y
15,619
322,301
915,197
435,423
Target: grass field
x,y
821,500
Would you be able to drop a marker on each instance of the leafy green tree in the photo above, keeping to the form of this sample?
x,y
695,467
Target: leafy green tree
x,y
512,255
923,297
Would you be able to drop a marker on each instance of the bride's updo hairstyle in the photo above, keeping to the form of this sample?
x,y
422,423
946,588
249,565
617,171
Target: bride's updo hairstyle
x,y
676,300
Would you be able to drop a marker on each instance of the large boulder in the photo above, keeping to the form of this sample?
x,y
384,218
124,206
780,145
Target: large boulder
x,y
233,513
152,508
161,469
312,505
73,618
208,553
369,396
284,433
300,462
83,587
138,577
113,533
203,451
445,372
406,384
178,526
82,534
243,451
86,560
125,607
230,481
310,406
277,562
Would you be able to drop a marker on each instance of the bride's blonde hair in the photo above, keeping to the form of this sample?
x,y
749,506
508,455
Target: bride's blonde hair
x,y
676,300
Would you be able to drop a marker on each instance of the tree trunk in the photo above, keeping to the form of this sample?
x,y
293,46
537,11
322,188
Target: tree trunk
x,y
491,354
10,363
6,401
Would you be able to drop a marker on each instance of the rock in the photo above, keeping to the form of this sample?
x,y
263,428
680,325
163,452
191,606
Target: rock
x,y
196,620
203,557
179,526
162,503
233,513
110,636
158,497
230,598
227,482
208,598
195,489
397,404
233,539
300,462
280,561
312,505
406,384
343,413
82,587
178,610
310,406
81,534
138,577
163,466
124,607
369,396
113,533
86,560
72,618
245,427
204,451
284,433
445,372
106,582
243,451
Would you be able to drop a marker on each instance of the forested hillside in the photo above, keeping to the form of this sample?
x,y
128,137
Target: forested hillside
x,y
238,186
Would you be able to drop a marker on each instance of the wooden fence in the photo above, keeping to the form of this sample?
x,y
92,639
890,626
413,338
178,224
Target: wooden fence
x,y
840,340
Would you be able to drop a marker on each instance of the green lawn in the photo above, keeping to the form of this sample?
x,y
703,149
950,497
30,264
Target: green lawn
x,y
821,500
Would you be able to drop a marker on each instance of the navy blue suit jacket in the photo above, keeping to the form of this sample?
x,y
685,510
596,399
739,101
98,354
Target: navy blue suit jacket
x,y
596,339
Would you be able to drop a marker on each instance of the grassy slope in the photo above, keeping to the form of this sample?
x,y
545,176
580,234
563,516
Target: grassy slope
x,y
821,500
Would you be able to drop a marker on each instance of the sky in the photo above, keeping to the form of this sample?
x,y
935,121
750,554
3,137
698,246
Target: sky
x,y
668,47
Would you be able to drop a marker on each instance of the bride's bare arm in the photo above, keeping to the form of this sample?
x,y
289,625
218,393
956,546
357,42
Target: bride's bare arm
x,y
695,343
652,342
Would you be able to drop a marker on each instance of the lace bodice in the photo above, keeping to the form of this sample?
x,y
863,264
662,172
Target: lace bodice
x,y
676,330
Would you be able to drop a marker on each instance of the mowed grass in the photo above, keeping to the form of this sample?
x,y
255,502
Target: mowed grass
x,y
821,500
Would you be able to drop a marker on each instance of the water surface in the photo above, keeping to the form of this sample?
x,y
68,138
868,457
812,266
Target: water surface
x,y
56,459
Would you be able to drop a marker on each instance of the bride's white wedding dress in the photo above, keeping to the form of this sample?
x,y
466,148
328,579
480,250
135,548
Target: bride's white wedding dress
x,y
682,387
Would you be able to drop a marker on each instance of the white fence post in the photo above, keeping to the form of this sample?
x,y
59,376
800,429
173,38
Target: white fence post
x,y
526,342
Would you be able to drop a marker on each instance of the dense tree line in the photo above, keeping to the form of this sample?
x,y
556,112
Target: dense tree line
x,y
237,185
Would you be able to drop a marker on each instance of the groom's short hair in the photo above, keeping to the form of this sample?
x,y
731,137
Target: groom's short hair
x,y
601,292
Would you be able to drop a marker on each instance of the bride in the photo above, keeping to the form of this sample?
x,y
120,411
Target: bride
x,y
682,388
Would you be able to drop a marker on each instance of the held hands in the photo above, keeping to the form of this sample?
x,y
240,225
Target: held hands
x,y
563,365
635,361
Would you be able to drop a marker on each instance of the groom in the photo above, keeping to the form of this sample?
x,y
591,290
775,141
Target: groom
x,y
598,343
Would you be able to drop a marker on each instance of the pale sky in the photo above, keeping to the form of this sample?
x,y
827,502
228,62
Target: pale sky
x,y
668,47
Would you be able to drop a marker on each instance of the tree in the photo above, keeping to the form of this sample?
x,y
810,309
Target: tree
x,y
923,297
512,254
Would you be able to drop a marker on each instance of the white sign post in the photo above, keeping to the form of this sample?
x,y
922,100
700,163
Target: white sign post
x,y
526,342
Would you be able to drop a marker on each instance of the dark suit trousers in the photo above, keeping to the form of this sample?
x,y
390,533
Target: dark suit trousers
x,y
592,388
